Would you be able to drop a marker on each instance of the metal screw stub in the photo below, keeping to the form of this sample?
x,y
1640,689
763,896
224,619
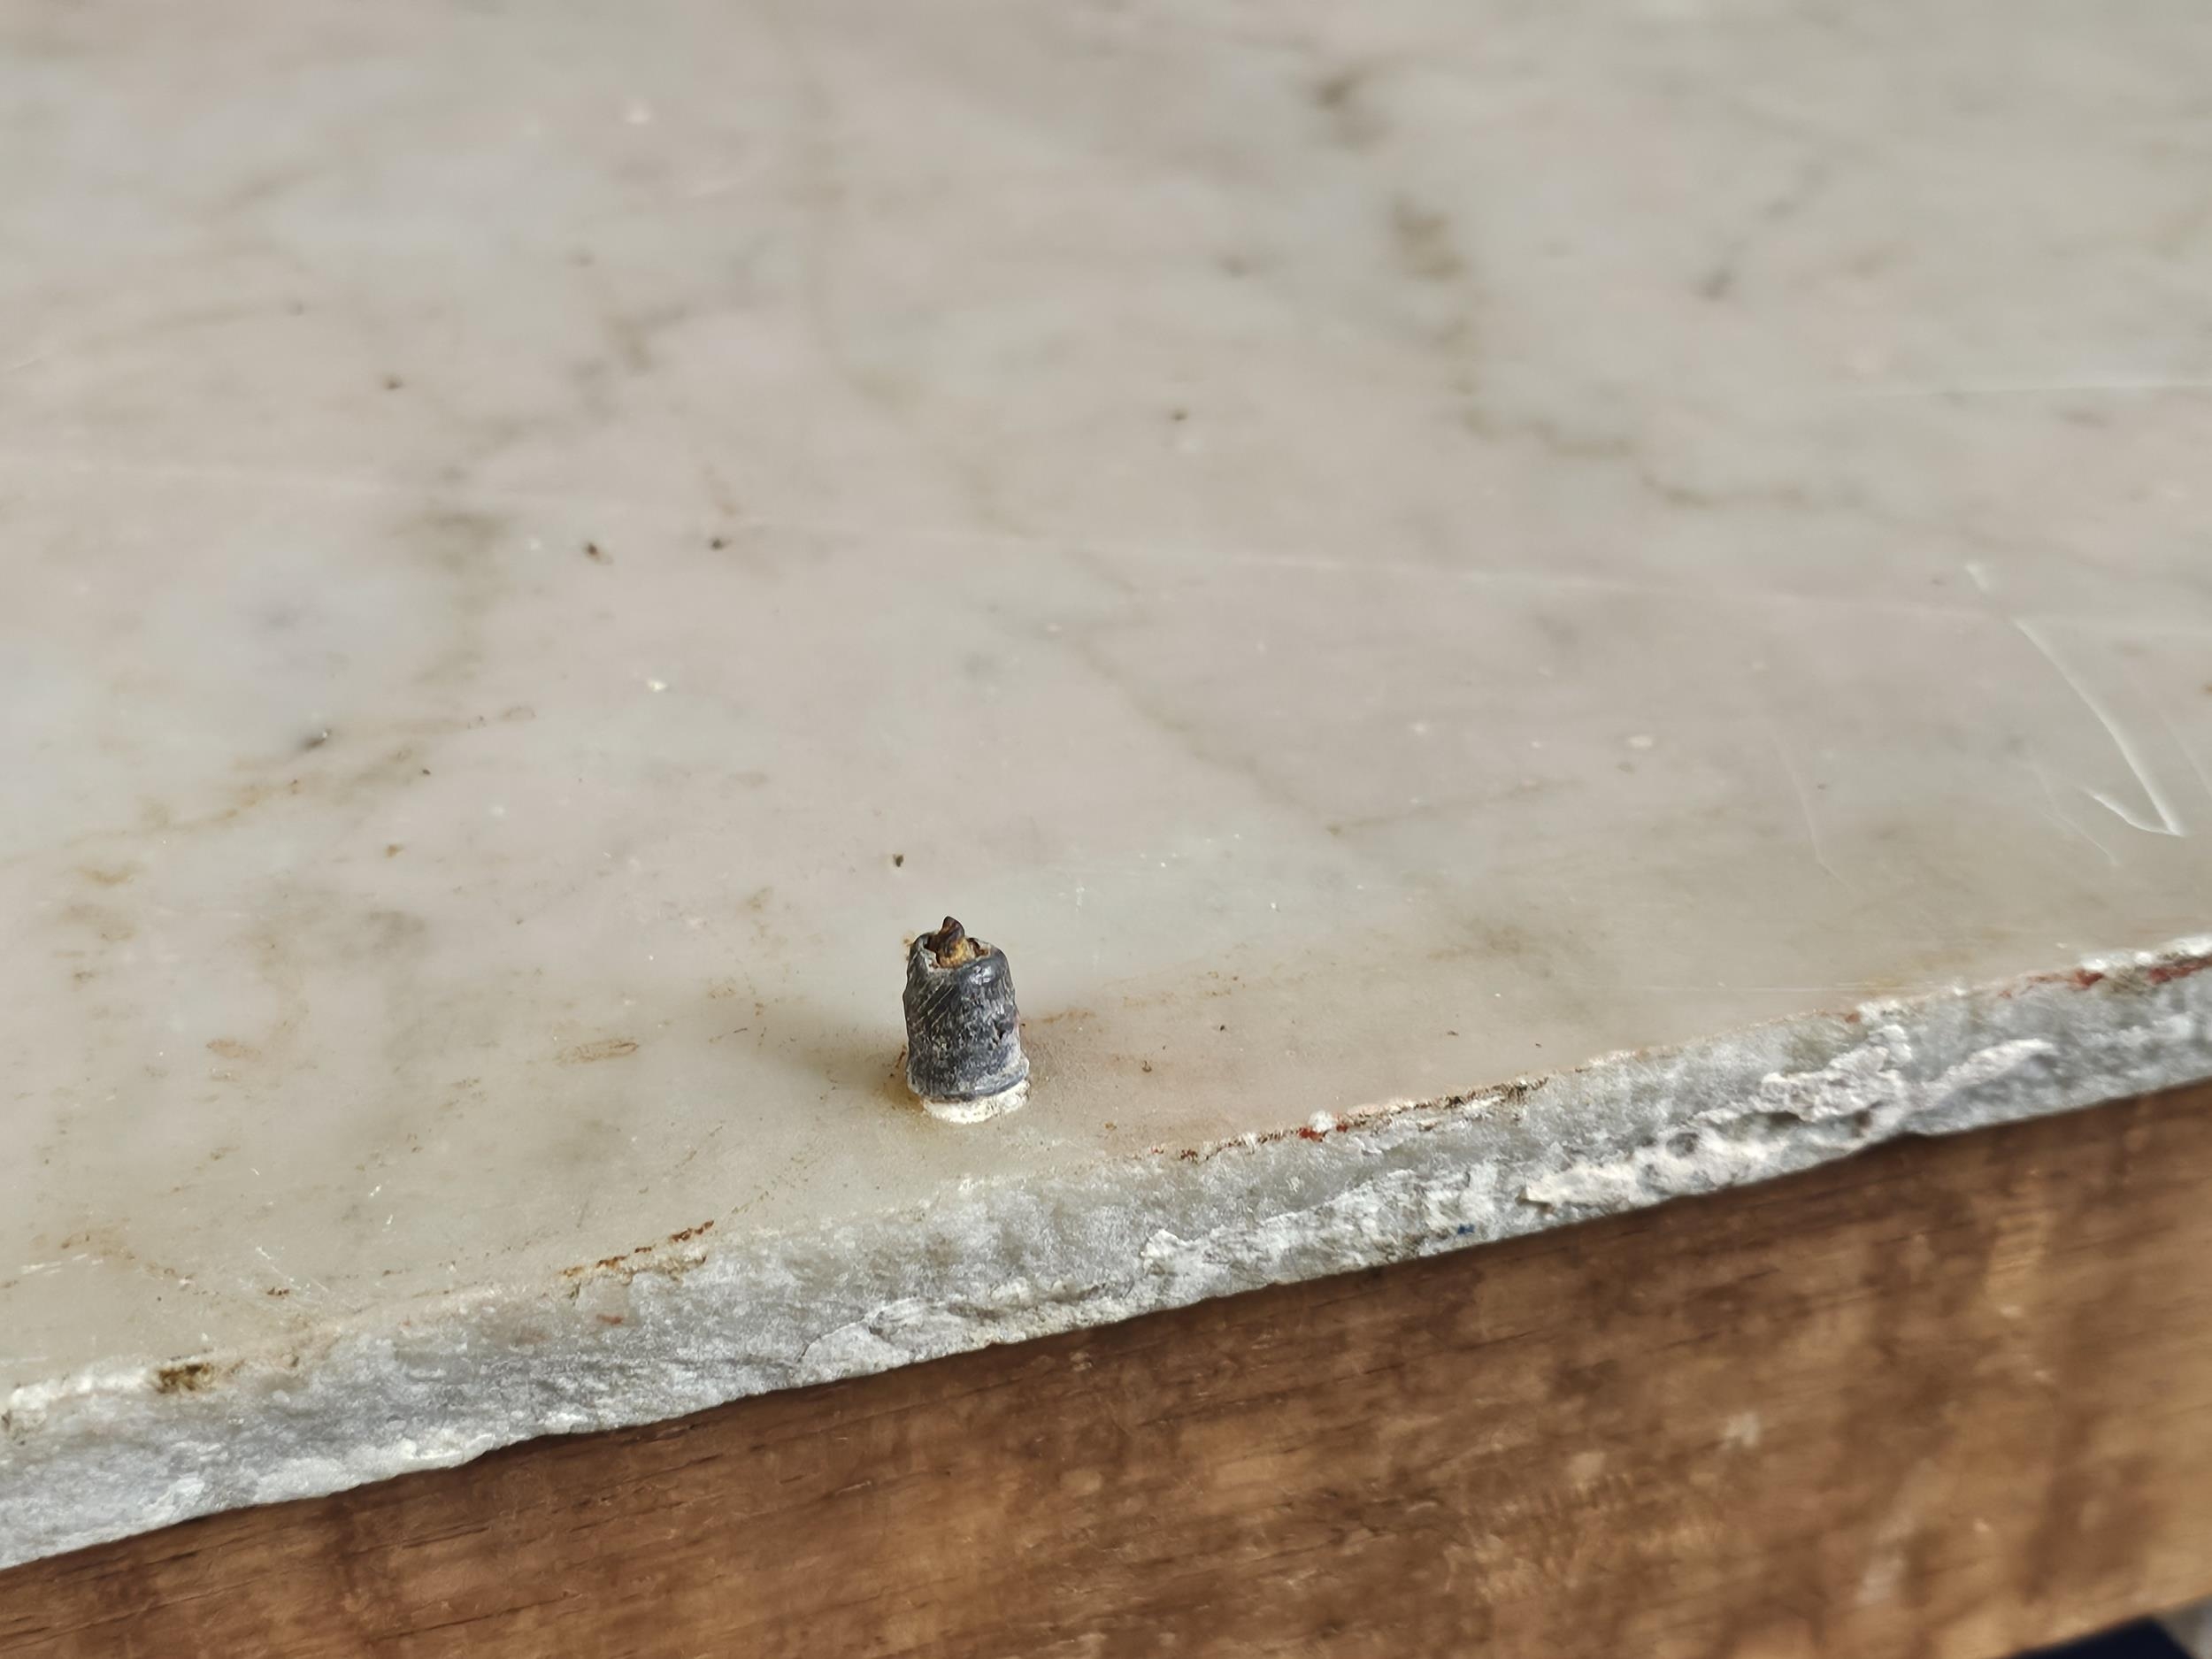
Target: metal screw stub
x,y
964,1042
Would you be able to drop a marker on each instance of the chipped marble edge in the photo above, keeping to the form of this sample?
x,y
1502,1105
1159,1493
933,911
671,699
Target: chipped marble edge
x,y
694,1320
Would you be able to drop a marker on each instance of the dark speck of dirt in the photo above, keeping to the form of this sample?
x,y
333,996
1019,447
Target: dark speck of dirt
x,y
392,382
1336,91
391,849
1142,1066
276,1290
1178,414
718,542
1221,1028
593,550
898,860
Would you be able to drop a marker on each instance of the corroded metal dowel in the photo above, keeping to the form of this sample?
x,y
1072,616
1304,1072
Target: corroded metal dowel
x,y
963,1045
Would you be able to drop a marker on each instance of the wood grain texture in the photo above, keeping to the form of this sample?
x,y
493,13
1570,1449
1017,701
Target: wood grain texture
x,y
1948,1399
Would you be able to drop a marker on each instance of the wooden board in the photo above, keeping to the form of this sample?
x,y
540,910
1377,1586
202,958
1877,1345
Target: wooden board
x,y
1951,1398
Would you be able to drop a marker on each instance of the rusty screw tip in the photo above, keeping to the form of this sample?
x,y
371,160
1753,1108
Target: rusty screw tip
x,y
951,946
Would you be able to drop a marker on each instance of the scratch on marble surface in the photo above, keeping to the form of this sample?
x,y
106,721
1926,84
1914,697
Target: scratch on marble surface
x,y
2033,765
2174,733
1804,805
2169,821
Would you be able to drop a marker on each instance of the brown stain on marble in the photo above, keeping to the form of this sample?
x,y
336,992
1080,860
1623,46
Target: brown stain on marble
x,y
1511,1096
604,1048
645,1258
184,1377
2129,979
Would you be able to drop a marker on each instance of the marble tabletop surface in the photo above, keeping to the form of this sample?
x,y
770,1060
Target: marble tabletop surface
x,y
1379,552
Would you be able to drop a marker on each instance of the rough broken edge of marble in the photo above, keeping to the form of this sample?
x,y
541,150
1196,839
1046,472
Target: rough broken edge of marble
x,y
696,1320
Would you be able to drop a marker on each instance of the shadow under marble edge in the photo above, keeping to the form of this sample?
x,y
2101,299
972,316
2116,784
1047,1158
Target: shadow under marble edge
x,y
713,1313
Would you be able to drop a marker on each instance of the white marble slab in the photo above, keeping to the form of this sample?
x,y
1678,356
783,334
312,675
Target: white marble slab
x,y
1377,550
